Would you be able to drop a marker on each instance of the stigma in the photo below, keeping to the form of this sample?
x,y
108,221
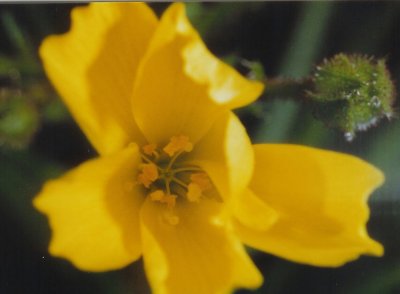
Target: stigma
x,y
166,177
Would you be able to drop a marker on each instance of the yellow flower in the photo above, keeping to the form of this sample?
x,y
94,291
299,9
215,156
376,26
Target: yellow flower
x,y
177,181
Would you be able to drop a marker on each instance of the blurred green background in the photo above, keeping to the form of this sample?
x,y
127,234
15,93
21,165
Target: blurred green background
x,y
39,139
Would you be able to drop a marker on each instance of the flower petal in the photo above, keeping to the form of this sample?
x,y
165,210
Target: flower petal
x,y
226,154
197,255
93,212
253,212
94,65
321,199
181,86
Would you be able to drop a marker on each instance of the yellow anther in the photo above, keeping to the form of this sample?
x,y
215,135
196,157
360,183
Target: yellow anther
x,y
150,149
201,180
157,195
170,200
178,144
160,196
194,192
148,175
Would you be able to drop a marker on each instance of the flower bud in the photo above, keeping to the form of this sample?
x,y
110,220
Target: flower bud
x,y
352,92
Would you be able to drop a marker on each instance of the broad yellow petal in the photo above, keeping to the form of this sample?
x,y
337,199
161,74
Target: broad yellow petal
x,y
94,65
321,199
198,255
226,154
251,211
93,212
181,86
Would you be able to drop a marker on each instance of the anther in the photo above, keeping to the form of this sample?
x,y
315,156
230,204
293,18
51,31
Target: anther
x,y
148,175
178,144
160,196
165,179
157,195
194,193
202,180
150,149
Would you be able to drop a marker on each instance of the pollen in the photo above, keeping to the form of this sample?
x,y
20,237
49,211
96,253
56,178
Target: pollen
x,y
157,195
148,175
150,149
160,196
170,200
201,180
178,144
199,183
194,192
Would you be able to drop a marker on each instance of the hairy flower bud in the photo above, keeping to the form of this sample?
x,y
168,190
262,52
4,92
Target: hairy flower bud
x,y
352,92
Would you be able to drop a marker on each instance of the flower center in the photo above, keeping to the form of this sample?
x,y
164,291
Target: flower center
x,y
168,179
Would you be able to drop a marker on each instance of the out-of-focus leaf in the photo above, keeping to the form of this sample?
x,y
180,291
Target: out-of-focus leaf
x,y
19,119
302,49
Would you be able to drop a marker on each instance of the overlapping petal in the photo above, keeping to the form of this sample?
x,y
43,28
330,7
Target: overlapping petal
x,y
321,199
251,211
94,65
226,154
181,87
199,255
93,212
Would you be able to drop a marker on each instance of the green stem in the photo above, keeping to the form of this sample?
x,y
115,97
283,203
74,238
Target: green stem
x,y
286,88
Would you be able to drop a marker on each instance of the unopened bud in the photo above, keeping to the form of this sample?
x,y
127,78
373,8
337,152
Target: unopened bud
x,y
352,93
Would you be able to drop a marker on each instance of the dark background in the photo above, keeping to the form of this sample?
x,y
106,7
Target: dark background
x,y
288,38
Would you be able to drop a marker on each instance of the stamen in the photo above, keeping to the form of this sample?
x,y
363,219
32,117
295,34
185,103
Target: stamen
x,y
179,182
187,169
167,186
148,175
156,195
160,196
150,149
202,180
170,200
199,183
178,143
194,192
145,158
172,161
166,180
